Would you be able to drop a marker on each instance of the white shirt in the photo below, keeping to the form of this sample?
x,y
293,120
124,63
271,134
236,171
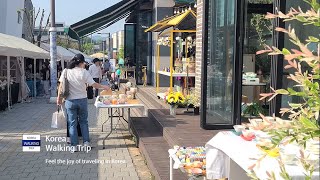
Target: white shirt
x,y
95,71
78,79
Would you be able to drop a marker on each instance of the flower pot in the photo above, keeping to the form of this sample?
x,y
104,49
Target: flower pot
x,y
196,110
173,110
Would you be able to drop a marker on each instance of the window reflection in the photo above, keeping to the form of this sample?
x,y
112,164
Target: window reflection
x,y
221,34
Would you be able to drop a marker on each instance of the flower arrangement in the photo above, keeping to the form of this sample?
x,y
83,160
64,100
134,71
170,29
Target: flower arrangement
x,y
175,99
193,100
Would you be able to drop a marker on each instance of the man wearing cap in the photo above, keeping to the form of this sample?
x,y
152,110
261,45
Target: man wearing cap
x,y
96,72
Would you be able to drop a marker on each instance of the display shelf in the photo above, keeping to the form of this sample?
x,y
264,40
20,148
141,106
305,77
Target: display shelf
x,y
177,74
254,84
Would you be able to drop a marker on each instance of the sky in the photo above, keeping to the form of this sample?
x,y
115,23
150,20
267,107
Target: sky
x,y
72,11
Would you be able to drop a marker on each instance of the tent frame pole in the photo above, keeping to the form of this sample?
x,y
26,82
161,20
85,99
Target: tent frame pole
x,y
8,80
34,77
23,78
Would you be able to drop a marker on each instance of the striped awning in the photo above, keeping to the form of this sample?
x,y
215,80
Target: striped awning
x,y
102,19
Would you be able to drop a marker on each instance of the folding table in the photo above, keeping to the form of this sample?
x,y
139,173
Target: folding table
x,y
130,104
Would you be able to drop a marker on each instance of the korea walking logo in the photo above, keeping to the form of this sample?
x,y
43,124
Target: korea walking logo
x,y
31,143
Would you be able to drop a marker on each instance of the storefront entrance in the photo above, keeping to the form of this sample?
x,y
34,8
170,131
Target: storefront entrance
x,y
233,76
218,72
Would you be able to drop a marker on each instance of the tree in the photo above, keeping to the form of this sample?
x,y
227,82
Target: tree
x,y
121,52
31,18
87,48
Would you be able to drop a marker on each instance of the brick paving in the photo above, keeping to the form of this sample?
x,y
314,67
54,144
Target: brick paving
x,y
35,118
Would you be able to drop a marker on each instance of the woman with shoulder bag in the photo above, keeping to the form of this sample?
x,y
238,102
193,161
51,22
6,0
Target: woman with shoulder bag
x,y
76,103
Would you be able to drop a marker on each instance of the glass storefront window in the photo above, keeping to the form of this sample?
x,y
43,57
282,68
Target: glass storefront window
x,y
129,42
220,62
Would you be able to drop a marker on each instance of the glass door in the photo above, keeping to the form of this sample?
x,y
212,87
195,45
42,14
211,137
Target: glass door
x,y
221,82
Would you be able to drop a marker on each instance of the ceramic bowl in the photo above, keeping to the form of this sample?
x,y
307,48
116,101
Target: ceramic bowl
x,y
122,96
239,128
121,101
106,102
248,133
288,158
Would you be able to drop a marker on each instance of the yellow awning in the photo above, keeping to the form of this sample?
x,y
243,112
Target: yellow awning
x,y
159,24
171,21
177,20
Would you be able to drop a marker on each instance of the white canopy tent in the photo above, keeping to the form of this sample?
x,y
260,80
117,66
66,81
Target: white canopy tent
x,y
86,57
11,46
63,54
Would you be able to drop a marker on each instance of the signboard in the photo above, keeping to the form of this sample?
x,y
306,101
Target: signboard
x,y
112,65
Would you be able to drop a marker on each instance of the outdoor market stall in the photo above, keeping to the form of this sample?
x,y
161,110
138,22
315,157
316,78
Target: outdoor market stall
x,y
63,54
178,33
19,48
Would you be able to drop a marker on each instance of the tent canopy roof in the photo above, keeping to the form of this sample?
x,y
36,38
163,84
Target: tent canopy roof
x,y
184,21
102,19
16,47
86,57
62,53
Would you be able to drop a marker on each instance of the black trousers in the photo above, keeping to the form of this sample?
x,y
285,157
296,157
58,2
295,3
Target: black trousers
x,y
90,88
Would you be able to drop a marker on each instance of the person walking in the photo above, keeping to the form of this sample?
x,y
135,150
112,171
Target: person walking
x,y
76,103
96,72
45,73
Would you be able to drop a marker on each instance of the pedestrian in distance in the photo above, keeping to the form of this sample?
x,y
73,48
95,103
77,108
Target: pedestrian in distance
x,y
96,73
76,103
45,74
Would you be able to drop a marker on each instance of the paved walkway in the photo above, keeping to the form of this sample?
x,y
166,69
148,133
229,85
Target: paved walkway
x,y
35,118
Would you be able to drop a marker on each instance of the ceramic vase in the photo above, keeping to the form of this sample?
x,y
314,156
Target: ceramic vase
x,y
173,110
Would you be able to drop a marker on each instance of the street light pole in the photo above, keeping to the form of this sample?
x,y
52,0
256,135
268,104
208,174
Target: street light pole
x,y
53,53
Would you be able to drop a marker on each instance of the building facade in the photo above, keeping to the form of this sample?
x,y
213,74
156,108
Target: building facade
x,y
227,41
45,37
11,18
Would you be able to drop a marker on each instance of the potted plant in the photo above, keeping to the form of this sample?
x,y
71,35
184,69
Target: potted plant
x,y
252,110
174,99
193,101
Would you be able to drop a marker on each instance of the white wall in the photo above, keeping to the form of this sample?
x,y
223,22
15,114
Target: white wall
x,y
120,39
115,42
9,17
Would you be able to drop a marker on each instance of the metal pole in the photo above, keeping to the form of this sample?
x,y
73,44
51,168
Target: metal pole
x,y
53,53
23,79
171,61
34,77
109,46
8,80
103,48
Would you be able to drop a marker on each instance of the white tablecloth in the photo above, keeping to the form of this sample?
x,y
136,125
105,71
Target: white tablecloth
x,y
99,104
226,147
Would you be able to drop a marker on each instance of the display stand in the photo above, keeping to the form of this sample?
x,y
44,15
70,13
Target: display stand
x,y
168,30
